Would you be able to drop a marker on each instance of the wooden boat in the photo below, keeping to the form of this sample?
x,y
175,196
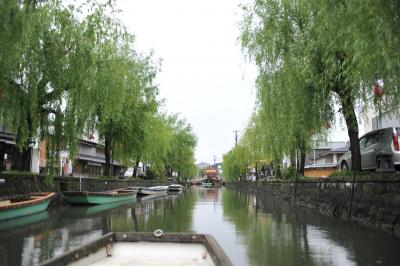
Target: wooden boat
x,y
24,221
84,211
103,197
152,190
175,188
207,184
22,206
146,249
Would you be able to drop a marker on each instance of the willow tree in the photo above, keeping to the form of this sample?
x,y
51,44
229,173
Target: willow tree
x,y
157,143
180,157
140,107
124,94
236,161
255,141
45,71
336,49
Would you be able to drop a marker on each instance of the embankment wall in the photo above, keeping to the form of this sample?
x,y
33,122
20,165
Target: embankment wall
x,y
373,203
11,184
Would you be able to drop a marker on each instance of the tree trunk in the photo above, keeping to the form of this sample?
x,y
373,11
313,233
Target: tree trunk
x,y
107,153
302,148
352,127
256,172
21,159
22,156
293,163
302,161
136,168
344,92
112,159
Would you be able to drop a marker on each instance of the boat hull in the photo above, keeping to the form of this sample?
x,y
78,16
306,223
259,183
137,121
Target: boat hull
x,y
97,197
80,211
207,184
175,188
153,191
24,220
26,209
146,249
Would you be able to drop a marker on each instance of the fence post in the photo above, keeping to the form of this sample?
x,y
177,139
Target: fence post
x,y
351,196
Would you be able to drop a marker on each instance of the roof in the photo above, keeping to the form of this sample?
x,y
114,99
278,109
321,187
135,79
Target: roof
x,y
342,149
7,137
94,159
320,166
330,145
90,143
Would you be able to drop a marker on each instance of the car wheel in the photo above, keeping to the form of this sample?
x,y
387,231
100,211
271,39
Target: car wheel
x,y
344,166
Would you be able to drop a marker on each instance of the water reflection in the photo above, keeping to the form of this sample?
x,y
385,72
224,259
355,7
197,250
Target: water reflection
x,y
253,230
277,234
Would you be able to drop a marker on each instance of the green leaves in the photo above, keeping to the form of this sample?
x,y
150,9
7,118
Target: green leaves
x,y
310,53
67,70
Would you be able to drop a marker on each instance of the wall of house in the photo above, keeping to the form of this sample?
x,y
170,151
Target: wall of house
x,y
373,122
35,159
376,202
318,173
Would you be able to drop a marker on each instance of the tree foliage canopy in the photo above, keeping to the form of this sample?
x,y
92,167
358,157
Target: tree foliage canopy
x,y
69,70
313,54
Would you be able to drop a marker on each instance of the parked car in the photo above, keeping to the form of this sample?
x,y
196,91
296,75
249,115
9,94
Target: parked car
x,y
379,150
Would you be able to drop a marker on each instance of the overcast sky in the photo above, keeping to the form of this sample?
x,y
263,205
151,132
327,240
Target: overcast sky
x,y
204,75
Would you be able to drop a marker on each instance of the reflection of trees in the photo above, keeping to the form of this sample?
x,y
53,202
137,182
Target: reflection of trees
x,y
276,234
269,241
171,214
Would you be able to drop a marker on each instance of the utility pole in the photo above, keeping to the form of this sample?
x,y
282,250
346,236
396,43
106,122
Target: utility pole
x,y
215,158
236,136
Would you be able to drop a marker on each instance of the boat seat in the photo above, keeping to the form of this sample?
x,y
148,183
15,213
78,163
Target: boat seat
x,y
5,202
36,197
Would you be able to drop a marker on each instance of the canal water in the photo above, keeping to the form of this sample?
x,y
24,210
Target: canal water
x,y
252,229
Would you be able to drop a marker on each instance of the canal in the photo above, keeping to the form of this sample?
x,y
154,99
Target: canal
x,y
253,230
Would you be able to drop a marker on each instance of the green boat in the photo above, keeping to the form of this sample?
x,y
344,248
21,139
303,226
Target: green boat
x,y
103,197
22,206
83,211
23,221
207,184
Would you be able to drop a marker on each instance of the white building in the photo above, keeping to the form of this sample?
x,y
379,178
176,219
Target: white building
x,y
374,121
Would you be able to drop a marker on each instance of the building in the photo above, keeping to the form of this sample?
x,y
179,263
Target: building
x,y
90,160
373,120
326,152
323,159
12,158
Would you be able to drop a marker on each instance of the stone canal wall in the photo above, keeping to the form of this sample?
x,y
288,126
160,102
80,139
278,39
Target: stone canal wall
x,y
11,184
374,203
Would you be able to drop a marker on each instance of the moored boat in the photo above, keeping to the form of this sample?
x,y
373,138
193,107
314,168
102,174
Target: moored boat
x,y
21,206
207,184
146,249
175,188
103,197
152,190
80,211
